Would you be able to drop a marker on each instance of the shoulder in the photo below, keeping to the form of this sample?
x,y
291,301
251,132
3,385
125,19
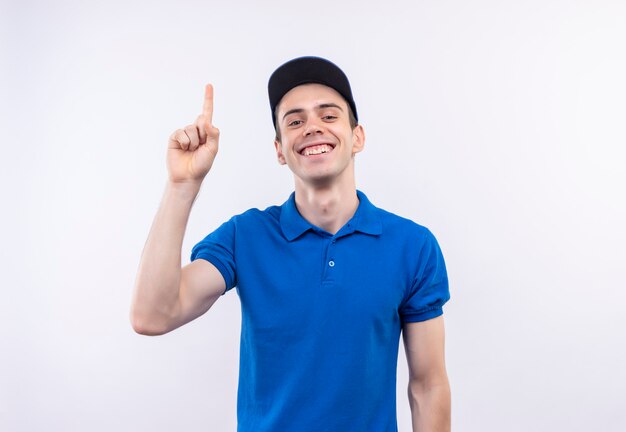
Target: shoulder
x,y
256,213
397,225
412,241
257,217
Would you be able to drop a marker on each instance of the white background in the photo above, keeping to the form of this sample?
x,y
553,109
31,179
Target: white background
x,y
500,125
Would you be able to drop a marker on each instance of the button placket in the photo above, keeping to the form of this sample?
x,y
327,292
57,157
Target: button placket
x,y
330,260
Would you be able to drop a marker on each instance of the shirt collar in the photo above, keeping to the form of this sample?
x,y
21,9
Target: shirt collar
x,y
366,219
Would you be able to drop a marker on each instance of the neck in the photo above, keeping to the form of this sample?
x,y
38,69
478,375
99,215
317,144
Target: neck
x,y
328,207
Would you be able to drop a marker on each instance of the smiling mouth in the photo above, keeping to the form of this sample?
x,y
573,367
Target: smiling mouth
x,y
316,149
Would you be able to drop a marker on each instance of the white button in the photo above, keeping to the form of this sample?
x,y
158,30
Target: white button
x,y
331,263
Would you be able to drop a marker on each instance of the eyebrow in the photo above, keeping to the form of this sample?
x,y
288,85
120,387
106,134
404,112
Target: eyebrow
x,y
319,107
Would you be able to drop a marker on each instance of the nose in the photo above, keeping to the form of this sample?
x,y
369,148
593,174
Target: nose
x,y
313,127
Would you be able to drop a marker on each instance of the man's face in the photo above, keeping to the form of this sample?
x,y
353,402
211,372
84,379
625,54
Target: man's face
x,y
316,139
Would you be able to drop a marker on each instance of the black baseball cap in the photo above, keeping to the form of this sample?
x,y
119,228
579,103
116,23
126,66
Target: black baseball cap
x,y
308,70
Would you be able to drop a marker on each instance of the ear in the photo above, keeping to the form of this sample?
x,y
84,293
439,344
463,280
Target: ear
x,y
358,139
279,152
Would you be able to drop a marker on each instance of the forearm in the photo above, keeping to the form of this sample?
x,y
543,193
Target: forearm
x,y
158,277
430,407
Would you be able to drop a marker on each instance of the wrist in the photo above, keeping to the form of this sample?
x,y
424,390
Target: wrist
x,y
188,189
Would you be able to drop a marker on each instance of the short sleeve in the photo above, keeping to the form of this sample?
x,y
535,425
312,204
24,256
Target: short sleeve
x,y
218,248
429,290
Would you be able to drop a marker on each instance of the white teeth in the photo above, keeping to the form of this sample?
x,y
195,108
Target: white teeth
x,y
318,149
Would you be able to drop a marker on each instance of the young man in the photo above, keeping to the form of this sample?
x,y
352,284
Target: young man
x,y
327,281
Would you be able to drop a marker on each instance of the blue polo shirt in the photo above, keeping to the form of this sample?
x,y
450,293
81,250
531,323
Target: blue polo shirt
x,y
322,313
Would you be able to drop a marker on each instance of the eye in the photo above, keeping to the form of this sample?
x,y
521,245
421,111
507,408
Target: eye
x,y
294,123
329,117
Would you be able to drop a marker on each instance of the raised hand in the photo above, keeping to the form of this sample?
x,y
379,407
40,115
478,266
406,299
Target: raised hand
x,y
191,150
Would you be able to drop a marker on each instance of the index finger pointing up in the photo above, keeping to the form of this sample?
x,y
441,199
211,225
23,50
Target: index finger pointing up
x,y
207,108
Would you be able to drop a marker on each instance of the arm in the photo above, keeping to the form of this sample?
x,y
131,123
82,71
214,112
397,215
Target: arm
x,y
429,390
166,296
